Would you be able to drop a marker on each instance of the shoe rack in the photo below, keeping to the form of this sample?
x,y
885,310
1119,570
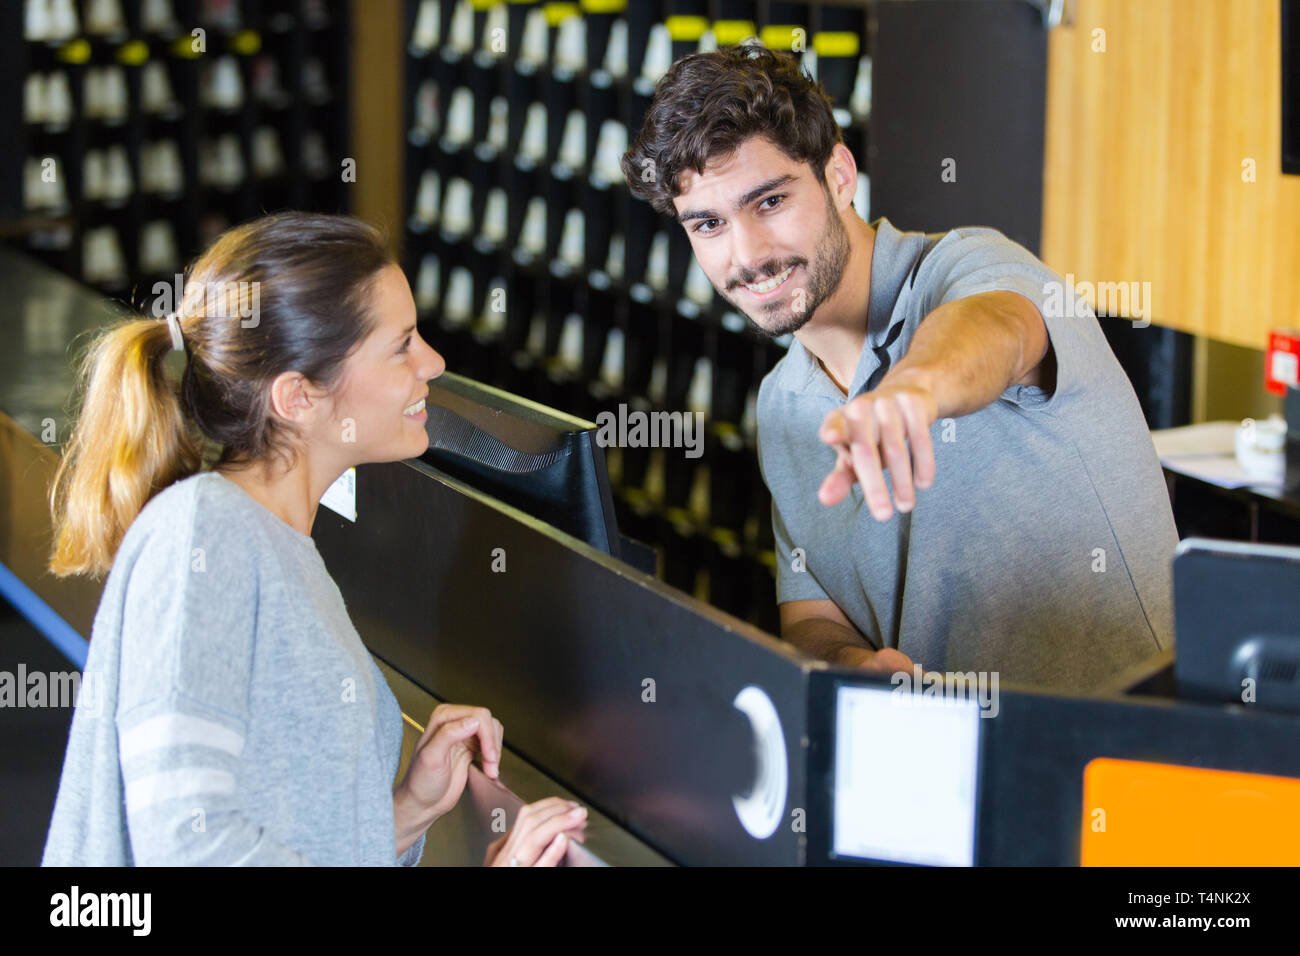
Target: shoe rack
x,y
146,127
534,269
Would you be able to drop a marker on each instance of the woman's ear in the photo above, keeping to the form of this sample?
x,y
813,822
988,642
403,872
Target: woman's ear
x,y
293,396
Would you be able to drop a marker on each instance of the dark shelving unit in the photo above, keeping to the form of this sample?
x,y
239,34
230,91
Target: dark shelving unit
x,y
215,56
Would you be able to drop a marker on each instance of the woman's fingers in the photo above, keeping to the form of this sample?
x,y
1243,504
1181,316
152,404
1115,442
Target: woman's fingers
x,y
536,827
489,739
555,852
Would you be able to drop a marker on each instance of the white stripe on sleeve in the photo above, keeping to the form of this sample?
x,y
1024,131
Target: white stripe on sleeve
x,y
170,784
173,728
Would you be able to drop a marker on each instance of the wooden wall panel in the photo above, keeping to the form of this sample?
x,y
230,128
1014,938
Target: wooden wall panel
x,y
378,137
1143,169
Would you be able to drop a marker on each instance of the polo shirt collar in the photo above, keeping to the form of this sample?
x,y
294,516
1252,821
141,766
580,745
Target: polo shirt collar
x,y
891,246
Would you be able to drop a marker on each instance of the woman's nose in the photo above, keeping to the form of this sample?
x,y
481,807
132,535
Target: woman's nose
x,y
436,364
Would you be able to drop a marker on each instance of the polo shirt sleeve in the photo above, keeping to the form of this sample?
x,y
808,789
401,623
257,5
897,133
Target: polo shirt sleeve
x,y
794,582
973,260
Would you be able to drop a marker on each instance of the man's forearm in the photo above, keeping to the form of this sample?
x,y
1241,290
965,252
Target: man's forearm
x,y
828,640
969,351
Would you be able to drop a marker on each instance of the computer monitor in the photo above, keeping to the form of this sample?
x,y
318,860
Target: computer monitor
x,y
862,728
539,460
1237,623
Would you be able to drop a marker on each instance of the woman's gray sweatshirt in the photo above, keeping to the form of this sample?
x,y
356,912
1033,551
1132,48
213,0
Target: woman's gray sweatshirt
x,y
229,713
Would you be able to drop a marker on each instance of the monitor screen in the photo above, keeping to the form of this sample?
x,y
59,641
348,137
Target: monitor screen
x,y
539,460
887,804
1237,623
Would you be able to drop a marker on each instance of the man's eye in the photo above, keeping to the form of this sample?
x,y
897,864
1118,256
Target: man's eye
x,y
708,225
775,200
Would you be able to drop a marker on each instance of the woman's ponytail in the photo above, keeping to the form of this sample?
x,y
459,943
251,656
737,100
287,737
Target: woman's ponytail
x,y
131,440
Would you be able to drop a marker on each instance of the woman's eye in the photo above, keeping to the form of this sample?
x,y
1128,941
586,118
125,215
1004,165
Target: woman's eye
x,y
405,346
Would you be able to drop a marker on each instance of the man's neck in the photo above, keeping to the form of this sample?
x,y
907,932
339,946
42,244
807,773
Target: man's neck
x,y
836,335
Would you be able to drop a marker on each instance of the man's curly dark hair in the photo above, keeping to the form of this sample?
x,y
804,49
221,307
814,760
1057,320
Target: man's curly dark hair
x,y
707,104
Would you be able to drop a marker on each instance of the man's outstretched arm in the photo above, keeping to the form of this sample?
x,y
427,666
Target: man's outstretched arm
x,y
963,356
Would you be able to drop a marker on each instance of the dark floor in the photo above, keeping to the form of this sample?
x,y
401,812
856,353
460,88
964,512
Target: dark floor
x,y
32,741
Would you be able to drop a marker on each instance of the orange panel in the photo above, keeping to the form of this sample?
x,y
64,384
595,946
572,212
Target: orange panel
x,y
1156,814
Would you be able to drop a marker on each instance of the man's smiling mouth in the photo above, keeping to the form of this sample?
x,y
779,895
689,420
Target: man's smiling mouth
x,y
770,284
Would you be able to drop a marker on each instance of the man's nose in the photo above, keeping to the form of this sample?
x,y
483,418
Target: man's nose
x,y
751,247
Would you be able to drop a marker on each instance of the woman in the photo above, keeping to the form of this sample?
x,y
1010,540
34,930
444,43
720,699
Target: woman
x,y
240,718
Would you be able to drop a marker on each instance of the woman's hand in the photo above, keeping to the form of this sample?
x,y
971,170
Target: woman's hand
x,y
439,767
540,835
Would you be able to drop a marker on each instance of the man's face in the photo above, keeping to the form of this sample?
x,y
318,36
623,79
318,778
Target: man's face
x,y
766,233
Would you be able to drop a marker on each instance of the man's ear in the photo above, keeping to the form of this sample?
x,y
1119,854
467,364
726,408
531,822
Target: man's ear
x,y
841,174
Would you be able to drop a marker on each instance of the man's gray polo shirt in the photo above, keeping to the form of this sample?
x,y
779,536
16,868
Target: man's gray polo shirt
x,y
1042,551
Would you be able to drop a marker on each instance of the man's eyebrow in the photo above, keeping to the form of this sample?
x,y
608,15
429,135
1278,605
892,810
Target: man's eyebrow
x,y
745,200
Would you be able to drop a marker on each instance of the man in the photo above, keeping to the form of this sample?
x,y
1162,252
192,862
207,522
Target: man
x,y
1033,533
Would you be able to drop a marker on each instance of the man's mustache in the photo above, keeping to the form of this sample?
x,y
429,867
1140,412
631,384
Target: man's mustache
x,y
750,276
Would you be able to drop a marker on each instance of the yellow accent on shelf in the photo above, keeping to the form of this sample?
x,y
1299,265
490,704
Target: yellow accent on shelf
x,y
74,51
481,5
686,27
183,47
680,517
733,32
604,6
133,53
246,42
557,13
724,536
781,36
836,43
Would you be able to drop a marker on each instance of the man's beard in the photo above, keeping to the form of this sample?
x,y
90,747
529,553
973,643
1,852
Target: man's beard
x,y
792,310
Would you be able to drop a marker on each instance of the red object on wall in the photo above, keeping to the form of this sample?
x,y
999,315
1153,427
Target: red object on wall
x,y
1282,361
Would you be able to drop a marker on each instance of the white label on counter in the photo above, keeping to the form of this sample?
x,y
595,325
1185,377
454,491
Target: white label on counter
x,y
905,776
341,496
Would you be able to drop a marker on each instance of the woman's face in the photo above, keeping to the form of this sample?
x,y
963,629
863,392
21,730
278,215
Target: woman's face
x,y
383,378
